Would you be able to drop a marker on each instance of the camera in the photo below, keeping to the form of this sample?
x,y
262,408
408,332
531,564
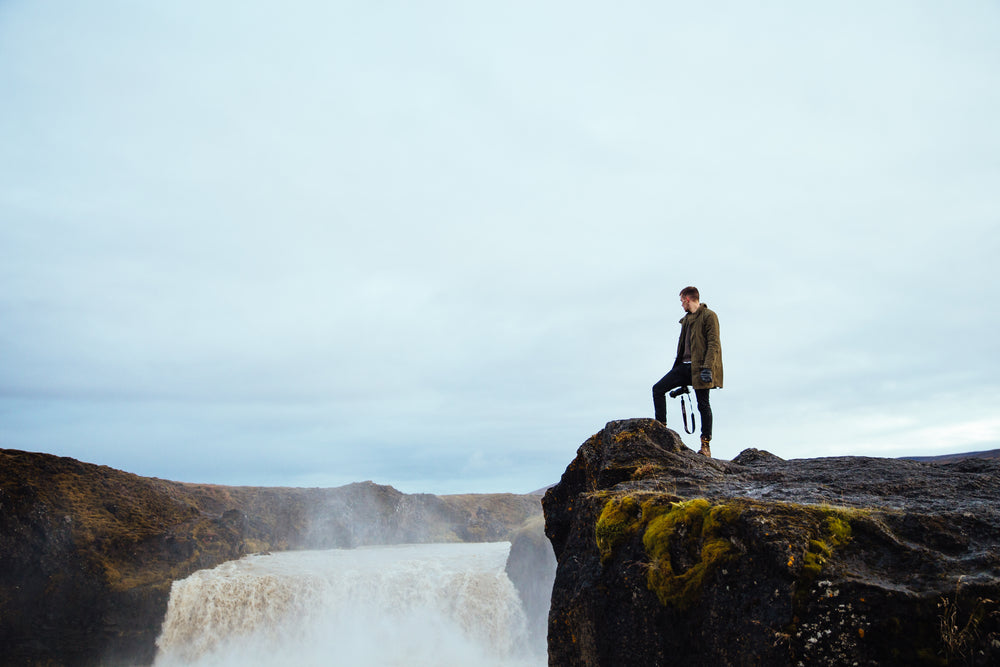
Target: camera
x,y
680,390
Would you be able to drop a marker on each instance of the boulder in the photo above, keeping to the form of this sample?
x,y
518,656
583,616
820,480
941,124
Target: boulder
x,y
667,557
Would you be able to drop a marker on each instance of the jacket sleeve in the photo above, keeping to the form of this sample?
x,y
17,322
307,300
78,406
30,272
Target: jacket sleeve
x,y
712,345
680,346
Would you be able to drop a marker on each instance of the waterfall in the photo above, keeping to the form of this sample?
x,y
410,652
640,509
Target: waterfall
x,y
418,604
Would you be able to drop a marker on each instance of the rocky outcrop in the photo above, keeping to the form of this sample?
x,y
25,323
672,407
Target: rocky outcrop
x,y
88,553
531,567
667,557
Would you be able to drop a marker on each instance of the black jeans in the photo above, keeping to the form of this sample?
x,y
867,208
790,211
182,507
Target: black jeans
x,y
680,376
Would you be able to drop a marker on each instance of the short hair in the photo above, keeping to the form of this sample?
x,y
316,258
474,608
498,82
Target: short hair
x,y
691,292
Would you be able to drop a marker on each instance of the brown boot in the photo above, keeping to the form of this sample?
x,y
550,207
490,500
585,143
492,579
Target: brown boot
x,y
705,449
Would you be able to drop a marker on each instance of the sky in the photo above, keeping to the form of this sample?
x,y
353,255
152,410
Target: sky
x,y
438,245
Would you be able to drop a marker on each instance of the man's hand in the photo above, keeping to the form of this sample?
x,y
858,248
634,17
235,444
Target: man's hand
x,y
706,375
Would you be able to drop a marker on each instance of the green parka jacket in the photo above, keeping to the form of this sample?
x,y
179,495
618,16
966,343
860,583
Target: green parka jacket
x,y
706,349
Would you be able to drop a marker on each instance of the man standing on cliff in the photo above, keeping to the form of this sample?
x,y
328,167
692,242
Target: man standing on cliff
x,y
698,363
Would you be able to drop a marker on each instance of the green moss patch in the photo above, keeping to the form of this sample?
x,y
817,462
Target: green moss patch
x,y
692,526
618,521
687,541
834,532
683,541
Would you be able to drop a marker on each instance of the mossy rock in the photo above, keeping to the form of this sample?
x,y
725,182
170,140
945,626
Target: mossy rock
x,y
696,525
835,532
619,520
687,541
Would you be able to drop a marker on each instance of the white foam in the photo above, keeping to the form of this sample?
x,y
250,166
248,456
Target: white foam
x,y
428,604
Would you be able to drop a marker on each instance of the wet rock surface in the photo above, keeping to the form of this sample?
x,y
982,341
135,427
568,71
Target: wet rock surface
x,y
88,553
666,557
531,567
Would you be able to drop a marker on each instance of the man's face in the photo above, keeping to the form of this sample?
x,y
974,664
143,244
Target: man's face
x,y
686,303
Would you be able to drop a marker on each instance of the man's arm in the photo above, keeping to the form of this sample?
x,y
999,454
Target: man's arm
x,y
712,344
680,346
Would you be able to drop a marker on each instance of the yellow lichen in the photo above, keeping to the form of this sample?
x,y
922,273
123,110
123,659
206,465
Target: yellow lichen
x,y
647,470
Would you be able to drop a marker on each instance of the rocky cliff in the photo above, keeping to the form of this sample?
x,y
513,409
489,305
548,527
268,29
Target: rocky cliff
x,y
531,567
88,553
666,557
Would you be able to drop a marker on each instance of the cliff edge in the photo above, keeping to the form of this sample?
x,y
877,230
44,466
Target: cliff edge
x,y
667,557
88,553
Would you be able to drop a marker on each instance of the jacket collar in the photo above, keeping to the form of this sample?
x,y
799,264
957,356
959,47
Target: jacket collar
x,y
691,317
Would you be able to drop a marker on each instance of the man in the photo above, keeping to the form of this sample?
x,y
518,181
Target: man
x,y
698,363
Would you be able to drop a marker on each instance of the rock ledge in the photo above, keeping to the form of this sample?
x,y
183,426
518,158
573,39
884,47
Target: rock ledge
x,y
666,557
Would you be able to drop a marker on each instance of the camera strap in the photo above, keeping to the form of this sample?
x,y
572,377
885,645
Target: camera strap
x,y
684,414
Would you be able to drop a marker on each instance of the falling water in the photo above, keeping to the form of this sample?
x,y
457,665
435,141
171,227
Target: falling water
x,y
430,604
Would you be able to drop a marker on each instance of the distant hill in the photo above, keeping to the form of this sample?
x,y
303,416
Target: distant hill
x,y
88,553
989,454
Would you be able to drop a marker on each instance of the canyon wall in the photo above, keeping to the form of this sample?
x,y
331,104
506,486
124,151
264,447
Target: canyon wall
x,y
88,553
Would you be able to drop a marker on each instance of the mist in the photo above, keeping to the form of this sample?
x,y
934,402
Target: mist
x,y
372,606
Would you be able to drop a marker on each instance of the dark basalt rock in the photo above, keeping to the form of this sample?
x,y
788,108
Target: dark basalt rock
x,y
531,567
666,557
88,553
752,456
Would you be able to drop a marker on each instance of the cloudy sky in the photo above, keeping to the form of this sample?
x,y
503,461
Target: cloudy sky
x,y
438,245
